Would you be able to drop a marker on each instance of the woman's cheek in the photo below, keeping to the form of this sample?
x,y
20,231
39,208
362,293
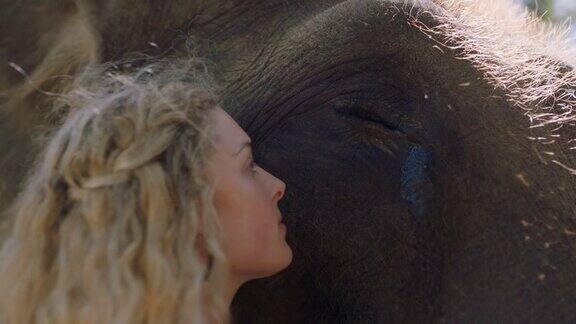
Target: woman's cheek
x,y
250,236
260,216
267,228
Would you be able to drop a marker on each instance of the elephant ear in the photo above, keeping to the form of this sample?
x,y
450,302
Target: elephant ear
x,y
64,36
146,26
42,46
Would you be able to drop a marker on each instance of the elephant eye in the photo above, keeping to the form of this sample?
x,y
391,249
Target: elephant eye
x,y
368,126
380,104
364,113
360,112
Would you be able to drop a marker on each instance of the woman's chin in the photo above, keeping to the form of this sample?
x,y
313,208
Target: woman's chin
x,y
288,256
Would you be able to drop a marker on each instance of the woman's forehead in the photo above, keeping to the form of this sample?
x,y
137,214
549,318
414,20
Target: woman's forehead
x,y
228,133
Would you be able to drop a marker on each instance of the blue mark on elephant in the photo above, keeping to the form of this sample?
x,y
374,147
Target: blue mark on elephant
x,y
415,185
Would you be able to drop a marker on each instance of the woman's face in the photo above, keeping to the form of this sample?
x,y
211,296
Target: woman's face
x,y
246,200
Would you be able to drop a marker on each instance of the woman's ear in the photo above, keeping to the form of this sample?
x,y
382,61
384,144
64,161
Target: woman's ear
x,y
200,247
203,255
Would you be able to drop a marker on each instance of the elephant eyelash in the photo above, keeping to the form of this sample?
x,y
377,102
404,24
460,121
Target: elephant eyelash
x,y
363,113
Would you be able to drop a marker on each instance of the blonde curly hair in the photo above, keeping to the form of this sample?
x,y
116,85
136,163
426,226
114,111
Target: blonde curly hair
x,y
108,227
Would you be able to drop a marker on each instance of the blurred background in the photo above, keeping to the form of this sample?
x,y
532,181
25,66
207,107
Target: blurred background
x,y
557,11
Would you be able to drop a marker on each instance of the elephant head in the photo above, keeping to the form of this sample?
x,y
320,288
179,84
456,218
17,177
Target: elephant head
x,y
425,146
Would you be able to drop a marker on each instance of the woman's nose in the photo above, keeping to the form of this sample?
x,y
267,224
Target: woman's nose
x,y
279,189
277,186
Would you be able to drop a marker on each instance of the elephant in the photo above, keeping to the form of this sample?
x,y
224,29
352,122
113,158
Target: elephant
x,y
425,144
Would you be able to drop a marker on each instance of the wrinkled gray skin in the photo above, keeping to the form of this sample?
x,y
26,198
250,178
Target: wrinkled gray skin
x,y
410,198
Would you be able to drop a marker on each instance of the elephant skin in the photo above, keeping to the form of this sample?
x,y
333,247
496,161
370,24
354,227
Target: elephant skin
x,y
418,188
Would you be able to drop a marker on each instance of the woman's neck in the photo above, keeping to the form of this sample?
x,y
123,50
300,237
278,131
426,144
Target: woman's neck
x,y
231,288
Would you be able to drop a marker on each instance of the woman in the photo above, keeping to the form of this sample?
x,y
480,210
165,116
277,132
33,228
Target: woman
x,y
146,207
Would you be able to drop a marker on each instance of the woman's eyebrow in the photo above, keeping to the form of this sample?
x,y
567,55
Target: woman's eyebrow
x,y
244,145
